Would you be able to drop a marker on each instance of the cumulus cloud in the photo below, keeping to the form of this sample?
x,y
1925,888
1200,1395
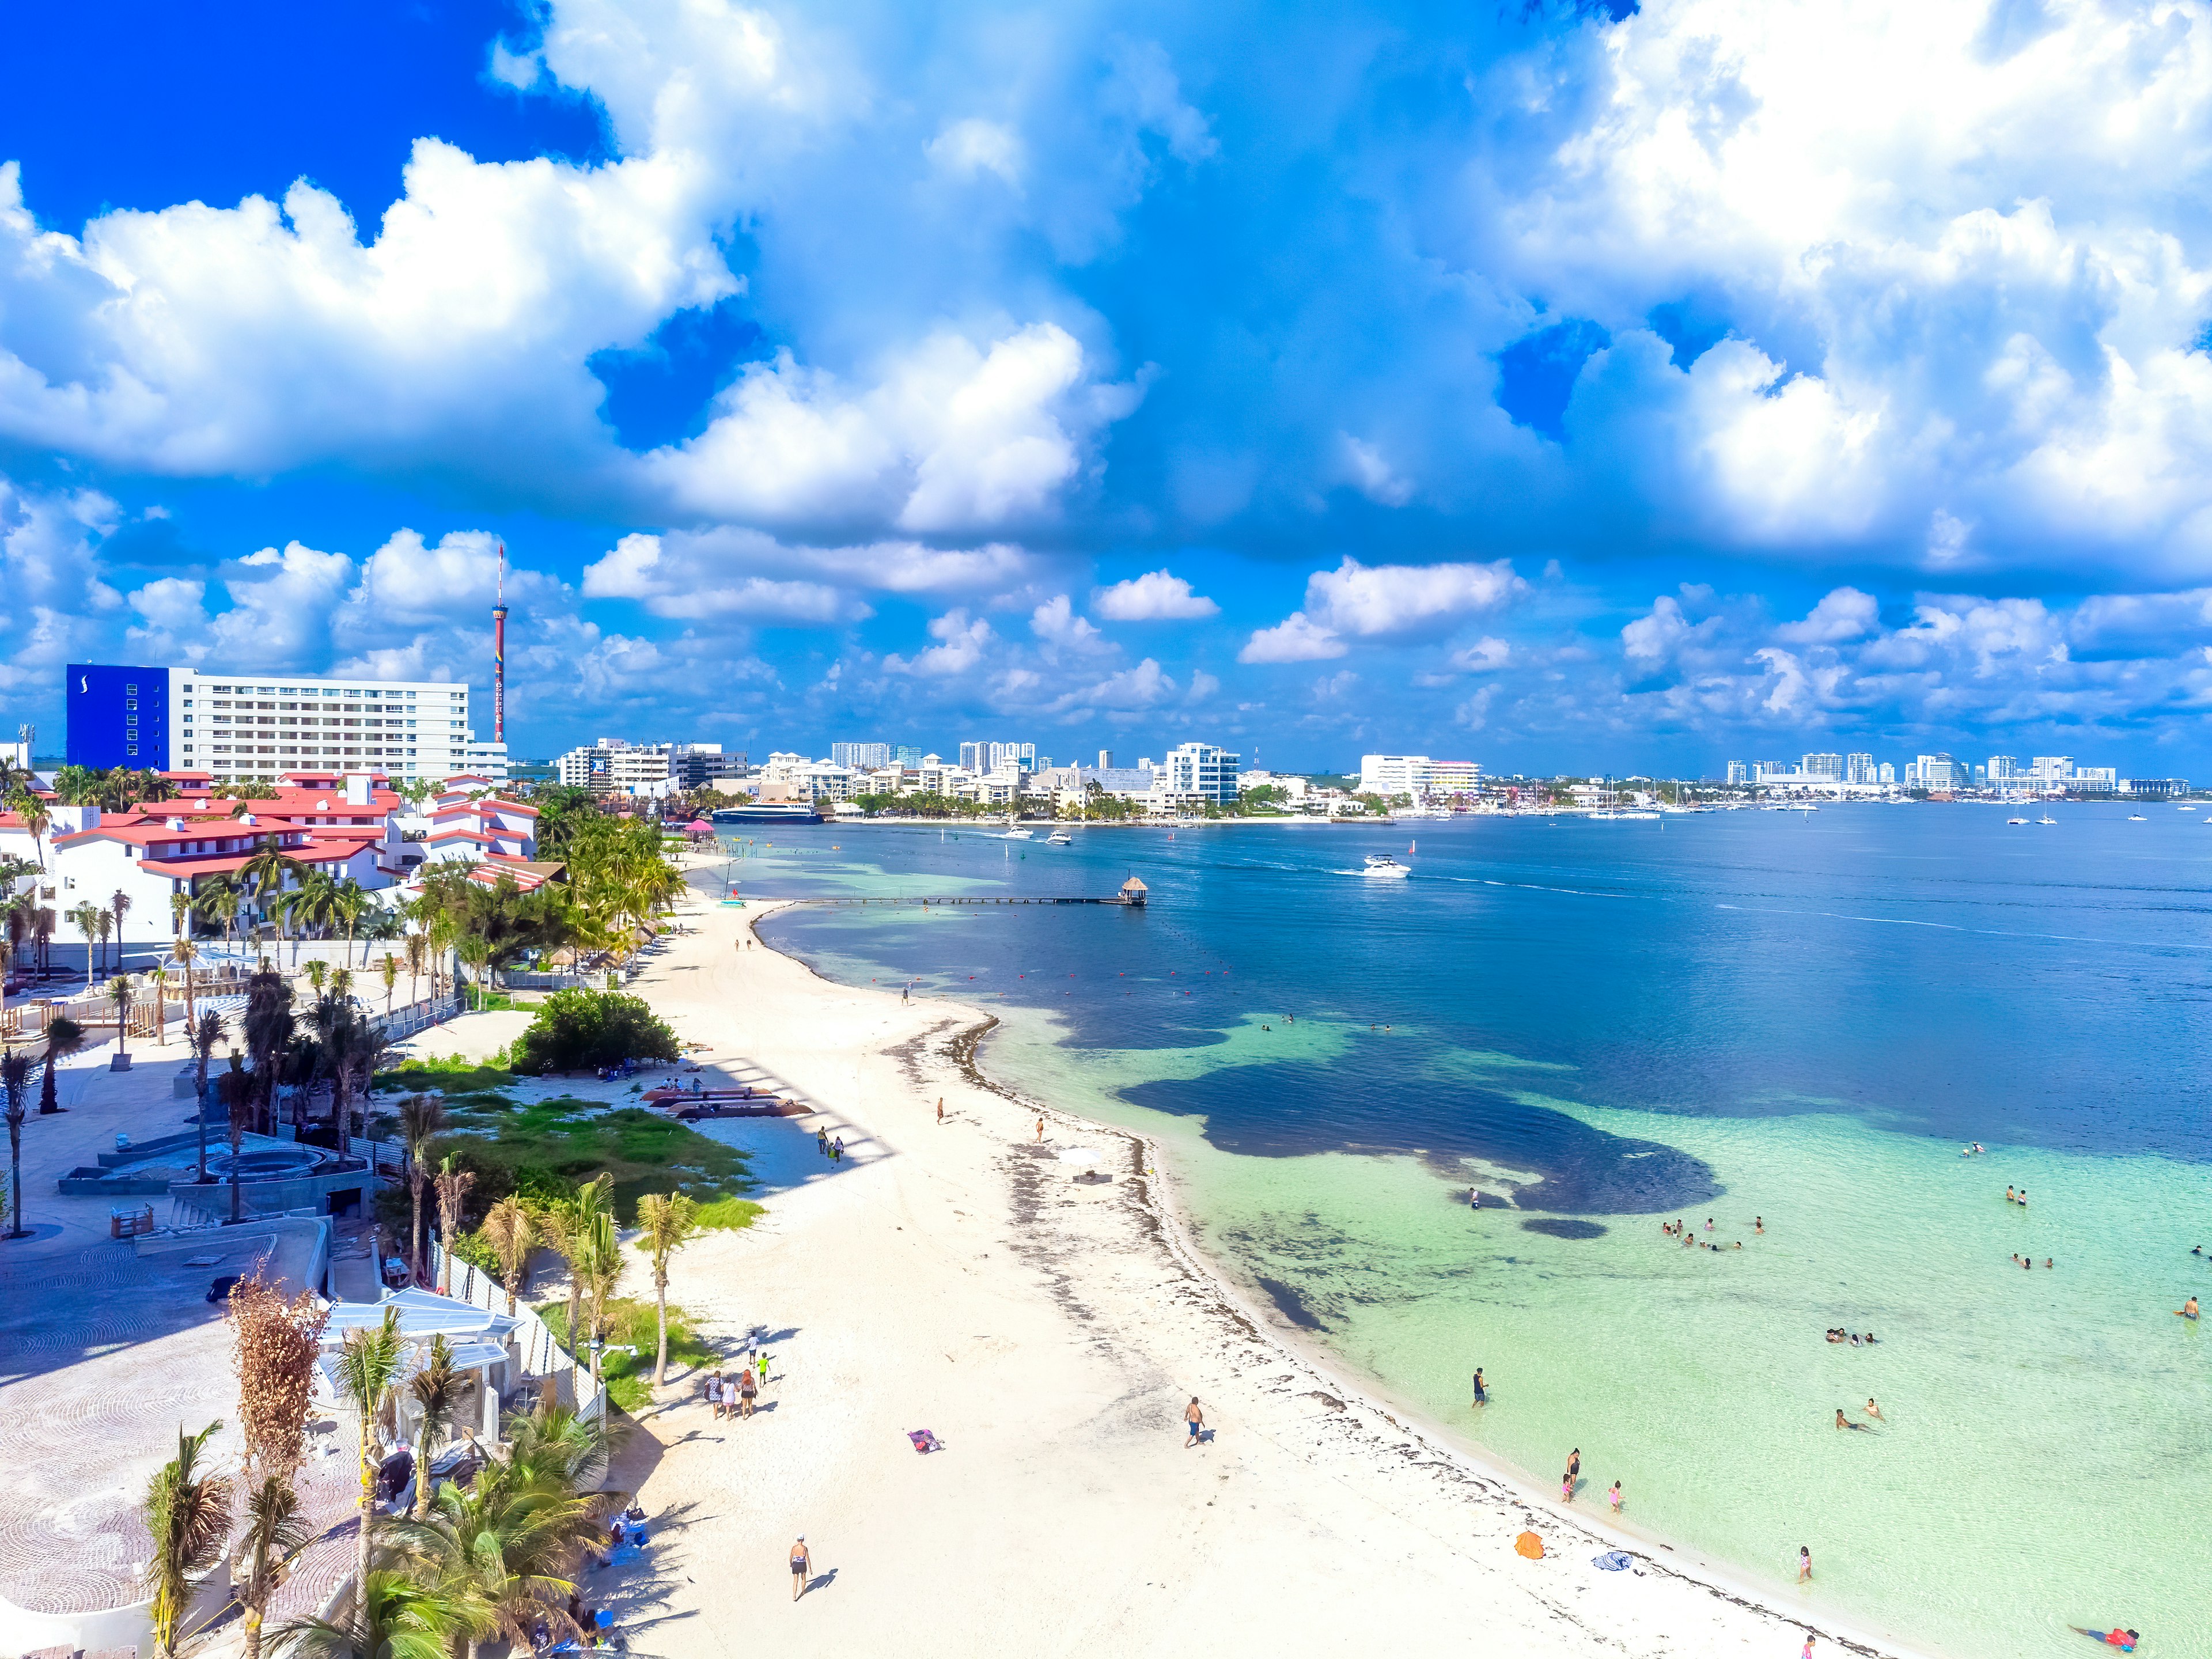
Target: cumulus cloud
x,y
1055,622
959,648
1156,596
637,568
971,146
1295,639
953,437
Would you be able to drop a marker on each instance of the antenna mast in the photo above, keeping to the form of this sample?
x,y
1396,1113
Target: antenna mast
x,y
499,654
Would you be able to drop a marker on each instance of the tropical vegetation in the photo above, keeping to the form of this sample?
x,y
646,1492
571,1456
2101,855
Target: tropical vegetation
x,y
584,1030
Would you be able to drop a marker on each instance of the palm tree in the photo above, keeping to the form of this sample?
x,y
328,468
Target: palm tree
x,y
180,910
418,952
268,1028
85,919
118,992
202,1035
43,927
105,925
665,1224
452,1187
217,899
603,1271
32,809
510,1538
65,1036
15,1079
159,979
184,953
351,901
21,915
350,1044
269,871
188,1513
389,971
551,1442
393,1614
476,952
274,1532
512,1235
118,906
422,1121
319,972
236,1087
437,1385
570,1225
367,1368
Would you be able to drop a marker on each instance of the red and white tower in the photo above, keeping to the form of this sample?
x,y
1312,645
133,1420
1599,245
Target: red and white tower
x,y
499,656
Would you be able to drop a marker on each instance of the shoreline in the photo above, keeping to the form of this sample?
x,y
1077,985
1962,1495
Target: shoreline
x,y
1177,1236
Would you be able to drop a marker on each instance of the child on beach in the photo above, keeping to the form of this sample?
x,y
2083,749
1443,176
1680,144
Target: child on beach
x,y
1613,1497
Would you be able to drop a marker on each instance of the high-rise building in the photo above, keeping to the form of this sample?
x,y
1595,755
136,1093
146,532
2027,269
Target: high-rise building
x,y
1858,769
2052,771
1105,760
1822,766
907,754
973,758
2004,768
872,756
1886,773
1941,772
1739,772
1199,771
258,726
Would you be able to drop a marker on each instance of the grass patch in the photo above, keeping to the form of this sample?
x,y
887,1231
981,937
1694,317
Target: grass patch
x,y
450,1074
728,1214
547,1148
502,1002
632,1324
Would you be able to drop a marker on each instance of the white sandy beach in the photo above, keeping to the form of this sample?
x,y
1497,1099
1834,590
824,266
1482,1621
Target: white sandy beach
x,y
958,1279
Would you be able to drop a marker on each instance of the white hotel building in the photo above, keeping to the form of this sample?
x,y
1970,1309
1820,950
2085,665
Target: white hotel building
x,y
235,726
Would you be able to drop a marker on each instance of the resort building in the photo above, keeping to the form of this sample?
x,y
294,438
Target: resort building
x,y
233,726
1417,776
1198,771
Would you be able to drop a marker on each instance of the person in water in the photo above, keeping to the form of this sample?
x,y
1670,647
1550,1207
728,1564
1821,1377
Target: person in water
x,y
1844,1422
2188,1310
2009,1199
1481,1394
1613,1497
1874,1411
2125,1640
1758,1224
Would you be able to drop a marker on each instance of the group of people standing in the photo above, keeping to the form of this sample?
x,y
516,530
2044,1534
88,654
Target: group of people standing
x,y
733,1394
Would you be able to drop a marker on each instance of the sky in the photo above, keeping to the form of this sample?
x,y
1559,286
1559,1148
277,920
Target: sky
x,y
1565,387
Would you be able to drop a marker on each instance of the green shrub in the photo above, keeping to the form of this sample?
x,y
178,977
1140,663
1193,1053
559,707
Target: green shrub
x,y
629,1377
728,1214
578,1030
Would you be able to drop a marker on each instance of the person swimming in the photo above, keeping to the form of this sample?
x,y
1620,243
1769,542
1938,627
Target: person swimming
x,y
2009,1199
2125,1640
1844,1422
2188,1310
1874,1411
1758,1224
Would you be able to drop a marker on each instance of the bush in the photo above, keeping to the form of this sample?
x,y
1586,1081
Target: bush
x,y
576,1029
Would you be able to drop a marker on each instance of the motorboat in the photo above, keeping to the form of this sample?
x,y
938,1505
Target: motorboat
x,y
1060,838
1018,835
768,812
2135,818
2015,820
1382,864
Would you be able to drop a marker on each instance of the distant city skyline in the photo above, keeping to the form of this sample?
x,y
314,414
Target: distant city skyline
x,y
927,408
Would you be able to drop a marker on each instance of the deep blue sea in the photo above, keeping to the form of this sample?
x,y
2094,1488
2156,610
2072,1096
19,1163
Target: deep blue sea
x,y
1785,1021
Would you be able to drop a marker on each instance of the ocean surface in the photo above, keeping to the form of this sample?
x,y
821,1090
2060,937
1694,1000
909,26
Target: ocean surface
x,y
1751,1018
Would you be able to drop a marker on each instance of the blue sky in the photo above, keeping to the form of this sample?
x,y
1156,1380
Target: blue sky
x,y
1562,387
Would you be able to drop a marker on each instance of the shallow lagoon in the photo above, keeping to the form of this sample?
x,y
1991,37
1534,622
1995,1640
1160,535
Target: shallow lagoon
x,y
1765,1015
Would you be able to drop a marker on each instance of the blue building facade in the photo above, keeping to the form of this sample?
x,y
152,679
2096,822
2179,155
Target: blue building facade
x,y
118,715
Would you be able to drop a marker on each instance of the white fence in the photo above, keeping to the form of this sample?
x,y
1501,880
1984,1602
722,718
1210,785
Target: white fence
x,y
542,1353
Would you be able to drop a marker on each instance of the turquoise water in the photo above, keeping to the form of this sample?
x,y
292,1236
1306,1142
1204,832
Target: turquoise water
x,y
1742,1020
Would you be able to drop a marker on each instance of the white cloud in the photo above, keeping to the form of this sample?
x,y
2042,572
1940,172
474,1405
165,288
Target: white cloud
x,y
960,646
1055,622
952,437
1295,639
636,569
1483,657
1843,613
1156,596
1371,475
969,147
1378,600
1132,689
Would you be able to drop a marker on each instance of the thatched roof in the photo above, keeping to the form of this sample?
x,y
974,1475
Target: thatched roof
x,y
1132,885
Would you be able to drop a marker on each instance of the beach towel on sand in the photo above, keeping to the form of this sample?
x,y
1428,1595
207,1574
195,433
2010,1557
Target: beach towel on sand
x,y
924,1441
1530,1545
1612,1561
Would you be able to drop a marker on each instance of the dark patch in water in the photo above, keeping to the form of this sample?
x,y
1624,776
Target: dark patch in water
x,y
1560,1227
1291,1304
1584,1170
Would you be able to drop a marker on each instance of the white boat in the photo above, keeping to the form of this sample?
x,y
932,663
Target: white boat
x,y
2046,819
1018,835
1382,864
2185,809
1060,838
2015,820
2135,818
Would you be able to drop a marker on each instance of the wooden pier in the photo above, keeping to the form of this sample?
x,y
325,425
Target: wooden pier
x,y
1133,894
